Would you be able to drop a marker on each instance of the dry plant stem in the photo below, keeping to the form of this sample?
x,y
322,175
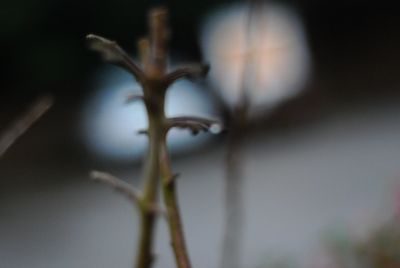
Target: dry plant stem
x,y
148,211
233,192
146,205
22,124
155,81
171,203
155,108
154,66
232,242
152,174
118,185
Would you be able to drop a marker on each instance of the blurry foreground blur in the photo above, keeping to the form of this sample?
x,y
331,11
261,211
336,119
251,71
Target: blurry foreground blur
x,y
321,168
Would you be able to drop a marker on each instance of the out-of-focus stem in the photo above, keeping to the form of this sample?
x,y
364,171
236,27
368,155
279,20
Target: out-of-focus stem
x,y
22,124
233,235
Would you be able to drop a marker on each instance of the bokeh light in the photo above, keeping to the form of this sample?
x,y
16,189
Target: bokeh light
x,y
265,54
110,126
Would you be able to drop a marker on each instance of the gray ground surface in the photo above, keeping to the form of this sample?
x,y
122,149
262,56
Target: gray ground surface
x,y
339,173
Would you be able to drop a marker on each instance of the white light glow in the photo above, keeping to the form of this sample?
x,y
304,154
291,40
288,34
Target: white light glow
x,y
265,55
110,126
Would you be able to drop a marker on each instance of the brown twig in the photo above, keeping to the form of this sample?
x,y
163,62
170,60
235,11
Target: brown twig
x,y
190,71
22,124
155,81
125,188
113,53
172,205
118,184
194,124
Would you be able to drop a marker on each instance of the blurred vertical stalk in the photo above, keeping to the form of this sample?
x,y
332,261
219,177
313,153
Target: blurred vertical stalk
x,y
233,236
234,178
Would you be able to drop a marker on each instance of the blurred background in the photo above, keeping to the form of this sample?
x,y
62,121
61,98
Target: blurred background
x,y
320,155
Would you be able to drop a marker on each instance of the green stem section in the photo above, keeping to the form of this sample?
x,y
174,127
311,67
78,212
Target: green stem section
x,y
171,203
148,216
145,256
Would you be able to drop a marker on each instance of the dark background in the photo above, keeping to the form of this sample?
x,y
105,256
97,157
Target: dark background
x,y
44,51
354,49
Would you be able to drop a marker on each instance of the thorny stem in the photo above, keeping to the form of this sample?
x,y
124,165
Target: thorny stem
x,y
153,58
155,82
146,203
155,108
144,254
154,103
171,203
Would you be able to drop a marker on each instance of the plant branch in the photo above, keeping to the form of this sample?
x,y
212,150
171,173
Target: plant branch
x,y
145,256
191,71
113,53
156,115
155,82
126,189
171,204
153,57
118,184
195,124
22,124
158,49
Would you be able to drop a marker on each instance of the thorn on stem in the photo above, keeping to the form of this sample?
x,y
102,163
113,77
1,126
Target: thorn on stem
x,y
143,132
173,178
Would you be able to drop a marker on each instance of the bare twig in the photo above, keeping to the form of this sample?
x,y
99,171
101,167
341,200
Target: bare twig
x,y
156,114
155,83
195,124
172,205
126,189
22,124
113,53
118,184
190,72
